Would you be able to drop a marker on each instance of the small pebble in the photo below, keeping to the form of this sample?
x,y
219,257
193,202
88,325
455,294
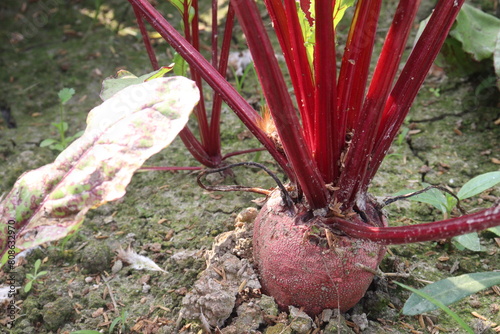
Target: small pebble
x,y
117,266
89,279
326,315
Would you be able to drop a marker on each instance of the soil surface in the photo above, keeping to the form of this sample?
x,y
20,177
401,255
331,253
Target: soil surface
x,y
203,240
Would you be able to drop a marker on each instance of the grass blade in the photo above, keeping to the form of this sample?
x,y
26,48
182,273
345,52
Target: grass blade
x,y
440,305
450,290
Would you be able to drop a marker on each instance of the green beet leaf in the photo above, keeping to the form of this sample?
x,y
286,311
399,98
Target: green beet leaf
x,y
474,37
479,184
477,31
50,202
123,79
469,241
450,290
495,230
433,197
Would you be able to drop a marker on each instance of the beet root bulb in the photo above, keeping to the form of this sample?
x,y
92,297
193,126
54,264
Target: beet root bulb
x,y
298,267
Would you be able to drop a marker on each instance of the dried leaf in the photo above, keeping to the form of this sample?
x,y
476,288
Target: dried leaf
x,y
136,261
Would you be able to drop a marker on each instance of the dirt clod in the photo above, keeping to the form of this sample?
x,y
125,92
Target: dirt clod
x,y
213,296
96,257
300,322
57,313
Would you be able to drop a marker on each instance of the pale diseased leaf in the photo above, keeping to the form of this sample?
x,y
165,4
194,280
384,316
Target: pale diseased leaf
x,y
450,290
137,261
479,184
50,202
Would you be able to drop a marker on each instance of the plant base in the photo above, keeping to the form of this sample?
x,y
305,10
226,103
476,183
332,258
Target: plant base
x,y
298,267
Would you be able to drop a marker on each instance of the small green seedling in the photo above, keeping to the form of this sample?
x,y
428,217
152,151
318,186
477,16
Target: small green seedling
x,y
60,144
399,141
402,135
435,91
445,202
35,276
121,319
240,80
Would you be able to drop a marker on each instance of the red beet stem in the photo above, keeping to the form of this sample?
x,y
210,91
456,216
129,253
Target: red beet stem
x,y
214,146
365,130
288,31
411,78
422,232
352,82
235,101
278,99
145,38
325,96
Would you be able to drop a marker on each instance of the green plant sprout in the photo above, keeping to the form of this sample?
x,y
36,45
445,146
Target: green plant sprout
x,y
402,135
35,276
445,202
399,141
121,319
240,79
60,144
435,91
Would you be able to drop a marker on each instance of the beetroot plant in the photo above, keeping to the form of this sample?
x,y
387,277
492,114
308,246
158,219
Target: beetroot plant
x,y
317,240
320,250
